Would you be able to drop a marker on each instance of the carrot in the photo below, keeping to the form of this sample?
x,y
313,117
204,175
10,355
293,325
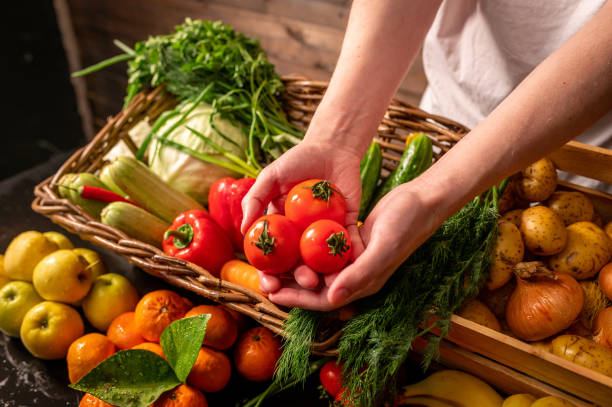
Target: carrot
x,y
241,273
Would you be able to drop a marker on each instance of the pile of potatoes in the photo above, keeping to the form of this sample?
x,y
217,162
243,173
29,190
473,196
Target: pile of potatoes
x,y
540,222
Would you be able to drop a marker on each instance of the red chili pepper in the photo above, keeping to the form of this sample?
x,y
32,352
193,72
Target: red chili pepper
x,y
195,237
101,194
225,205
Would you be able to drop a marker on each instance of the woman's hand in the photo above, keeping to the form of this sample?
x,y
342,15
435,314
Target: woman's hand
x,y
335,163
400,222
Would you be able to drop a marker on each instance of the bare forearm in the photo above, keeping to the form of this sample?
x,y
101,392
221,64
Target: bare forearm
x,y
381,41
562,97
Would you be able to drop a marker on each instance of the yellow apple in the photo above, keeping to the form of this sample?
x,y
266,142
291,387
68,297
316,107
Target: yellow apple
x,y
24,252
62,276
16,299
60,240
49,328
3,277
111,295
94,261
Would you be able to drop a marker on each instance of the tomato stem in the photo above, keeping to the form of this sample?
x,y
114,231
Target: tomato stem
x,y
337,244
323,190
265,242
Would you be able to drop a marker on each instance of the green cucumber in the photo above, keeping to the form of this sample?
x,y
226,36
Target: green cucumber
x,y
369,171
135,222
415,160
68,187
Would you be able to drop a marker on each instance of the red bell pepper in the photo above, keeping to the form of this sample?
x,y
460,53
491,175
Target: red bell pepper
x,y
225,205
195,237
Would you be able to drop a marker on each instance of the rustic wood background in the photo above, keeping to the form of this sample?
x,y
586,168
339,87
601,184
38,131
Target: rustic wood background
x,y
300,36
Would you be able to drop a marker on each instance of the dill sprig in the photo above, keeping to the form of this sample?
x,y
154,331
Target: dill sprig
x,y
422,294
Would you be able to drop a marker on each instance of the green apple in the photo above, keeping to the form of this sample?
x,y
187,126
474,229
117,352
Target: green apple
x,y
111,295
62,276
16,299
94,261
60,240
49,328
24,252
4,279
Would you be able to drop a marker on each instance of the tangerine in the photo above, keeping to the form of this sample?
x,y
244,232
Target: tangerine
x,y
211,372
256,354
181,396
90,400
156,310
123,333
87,352
151,347
221,330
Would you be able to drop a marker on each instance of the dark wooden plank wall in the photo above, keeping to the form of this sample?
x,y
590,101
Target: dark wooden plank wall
x,y
300,36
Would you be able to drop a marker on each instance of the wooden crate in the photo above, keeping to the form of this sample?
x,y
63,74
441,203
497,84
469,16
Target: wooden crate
x,y
548,370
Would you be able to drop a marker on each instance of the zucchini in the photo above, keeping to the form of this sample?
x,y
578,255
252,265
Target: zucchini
x,y
106,178
369,171
135,222
149,191
415,160
68,187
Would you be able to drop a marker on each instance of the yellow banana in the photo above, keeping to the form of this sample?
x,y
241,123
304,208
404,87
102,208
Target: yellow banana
x,y
551,401
519,400
423,401
455,387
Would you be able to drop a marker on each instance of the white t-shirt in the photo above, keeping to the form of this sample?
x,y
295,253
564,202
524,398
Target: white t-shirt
x,y
478,51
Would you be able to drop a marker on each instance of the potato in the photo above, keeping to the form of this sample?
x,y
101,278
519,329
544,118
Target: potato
x,y
509,250
538,181
584,352
586,252
545,345
496,300
608,229
543,231
551,401
476,311
571,206
508,198
513,216
597,219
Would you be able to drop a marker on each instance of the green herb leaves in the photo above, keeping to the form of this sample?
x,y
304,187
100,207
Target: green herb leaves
x,y
136,378
434,281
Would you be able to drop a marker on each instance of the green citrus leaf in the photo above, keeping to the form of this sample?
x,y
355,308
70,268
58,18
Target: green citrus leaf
x,y
129,378
181,342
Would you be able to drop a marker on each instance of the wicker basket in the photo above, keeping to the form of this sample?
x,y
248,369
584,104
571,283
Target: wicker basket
x,y
301,99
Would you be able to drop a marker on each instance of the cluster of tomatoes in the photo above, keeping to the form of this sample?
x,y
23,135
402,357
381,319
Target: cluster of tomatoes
x,y
311,230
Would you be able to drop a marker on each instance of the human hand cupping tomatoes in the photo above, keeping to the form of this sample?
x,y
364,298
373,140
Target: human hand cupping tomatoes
x,y
310,232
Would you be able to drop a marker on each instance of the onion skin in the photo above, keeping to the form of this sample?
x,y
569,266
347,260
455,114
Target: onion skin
x,y
602,328
541,307
605,280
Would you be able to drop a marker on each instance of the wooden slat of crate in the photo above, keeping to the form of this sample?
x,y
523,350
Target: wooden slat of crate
x,y
501,377
544,366
582,159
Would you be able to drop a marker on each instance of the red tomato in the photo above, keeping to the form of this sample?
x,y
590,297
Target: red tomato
x,y
272,244
325,246
313,200
331,377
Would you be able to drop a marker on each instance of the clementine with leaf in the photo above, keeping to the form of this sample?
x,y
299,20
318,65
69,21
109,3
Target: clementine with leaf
x,y
221,330
211,371
156,310
87,352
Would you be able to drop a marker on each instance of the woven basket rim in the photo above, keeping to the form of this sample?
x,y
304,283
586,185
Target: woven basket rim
x,y
301,99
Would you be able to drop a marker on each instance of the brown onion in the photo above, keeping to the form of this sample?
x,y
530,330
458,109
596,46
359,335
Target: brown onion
x,y
605,280
602,328
542,306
